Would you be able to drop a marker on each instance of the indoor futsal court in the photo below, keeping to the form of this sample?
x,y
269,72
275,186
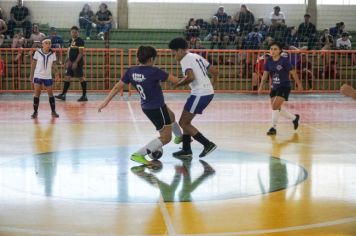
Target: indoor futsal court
x,y
72,176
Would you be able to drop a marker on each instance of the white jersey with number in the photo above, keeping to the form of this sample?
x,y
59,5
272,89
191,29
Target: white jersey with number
x,y
201,85
44,64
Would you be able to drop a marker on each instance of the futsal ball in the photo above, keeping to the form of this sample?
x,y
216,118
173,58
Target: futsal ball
x,y
156,154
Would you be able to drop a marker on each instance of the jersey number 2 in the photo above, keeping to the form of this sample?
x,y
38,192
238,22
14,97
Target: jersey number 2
x,y
141,91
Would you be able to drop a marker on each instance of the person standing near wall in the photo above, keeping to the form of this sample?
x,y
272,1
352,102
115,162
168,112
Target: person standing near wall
x,y
74,65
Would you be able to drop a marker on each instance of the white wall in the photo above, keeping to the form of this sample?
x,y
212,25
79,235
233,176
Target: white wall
x,y
61,14
175,15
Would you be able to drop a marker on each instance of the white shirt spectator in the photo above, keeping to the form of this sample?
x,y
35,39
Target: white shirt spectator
x,y
201,85
279,19
343,44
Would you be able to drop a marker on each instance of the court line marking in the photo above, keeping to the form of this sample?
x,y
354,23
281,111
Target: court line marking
x,y
336,138
161,203
279,230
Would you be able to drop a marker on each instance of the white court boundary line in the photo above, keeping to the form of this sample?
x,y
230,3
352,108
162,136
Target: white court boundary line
x,y
247,232
161,203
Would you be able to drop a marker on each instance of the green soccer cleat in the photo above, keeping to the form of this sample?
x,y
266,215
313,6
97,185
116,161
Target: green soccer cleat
x,y
139,159
178,140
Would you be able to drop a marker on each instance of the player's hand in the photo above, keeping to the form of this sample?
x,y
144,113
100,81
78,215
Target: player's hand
x,y
30,78
74,65
68,64
346,90
101,106
56,77
300,87
259,89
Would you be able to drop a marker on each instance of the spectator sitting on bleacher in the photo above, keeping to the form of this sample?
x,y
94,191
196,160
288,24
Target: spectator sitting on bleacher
x,y
192,31
306,30
221,15
344,43
36,37
337,30
1,14
277,17
326,40
231,30
103,19
213,30
56,40
18,41
253,40
245,20
278,33
262,27
19,19
3,29
86,18
292,38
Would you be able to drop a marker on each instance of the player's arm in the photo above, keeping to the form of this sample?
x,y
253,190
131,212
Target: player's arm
x,y
32,71
115,90
214,75
189,77
347,90
55,69
263,80
79,56
293,74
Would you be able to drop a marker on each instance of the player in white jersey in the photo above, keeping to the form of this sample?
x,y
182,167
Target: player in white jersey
x,y
195,71
41,73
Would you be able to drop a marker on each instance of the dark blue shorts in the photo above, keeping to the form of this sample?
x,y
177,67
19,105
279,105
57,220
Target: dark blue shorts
x,y
46,82
280,92
197,104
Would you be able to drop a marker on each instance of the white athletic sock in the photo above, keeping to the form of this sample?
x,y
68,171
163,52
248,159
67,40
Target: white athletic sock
x,y
275,117
287,114
152,146
176,129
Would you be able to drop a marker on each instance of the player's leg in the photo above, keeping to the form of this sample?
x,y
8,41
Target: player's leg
x,y
52,102
284,93
36,97
276,103
66,84
161,120
175,127
78,73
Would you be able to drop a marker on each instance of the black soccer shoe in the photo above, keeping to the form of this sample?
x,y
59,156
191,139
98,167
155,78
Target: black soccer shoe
x,y
34,115
83,99
272,131
296,121
208,149
61,97
54,114
183,154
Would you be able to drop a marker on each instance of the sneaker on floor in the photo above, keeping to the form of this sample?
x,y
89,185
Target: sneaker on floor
x,y
178,140
296,121
83,99
183,153
208,149
139,158
54,114
61,97
34,115
272,131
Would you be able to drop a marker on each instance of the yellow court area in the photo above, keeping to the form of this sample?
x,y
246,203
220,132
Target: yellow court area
x,y
73,176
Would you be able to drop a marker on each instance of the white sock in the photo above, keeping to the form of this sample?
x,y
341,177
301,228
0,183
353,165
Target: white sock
x,y
176,129
275,117
287,114
152,146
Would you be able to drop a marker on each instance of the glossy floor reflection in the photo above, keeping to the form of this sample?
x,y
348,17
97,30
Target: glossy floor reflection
x,y
73,176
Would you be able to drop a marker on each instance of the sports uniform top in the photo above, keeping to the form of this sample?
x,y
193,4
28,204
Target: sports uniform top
x,y
279,72
44,64
146,80
74,45
201,85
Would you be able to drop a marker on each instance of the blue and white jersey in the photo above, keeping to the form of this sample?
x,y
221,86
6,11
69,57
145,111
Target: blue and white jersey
x,y
44,64
201,85
146,80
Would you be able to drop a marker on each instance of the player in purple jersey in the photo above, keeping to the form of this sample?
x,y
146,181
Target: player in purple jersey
x,y
279,69
146,79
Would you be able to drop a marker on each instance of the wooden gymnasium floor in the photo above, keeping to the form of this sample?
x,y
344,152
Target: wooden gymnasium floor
x,y
73,176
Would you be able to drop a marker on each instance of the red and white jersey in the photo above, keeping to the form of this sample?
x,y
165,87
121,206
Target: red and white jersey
x,y
201,85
